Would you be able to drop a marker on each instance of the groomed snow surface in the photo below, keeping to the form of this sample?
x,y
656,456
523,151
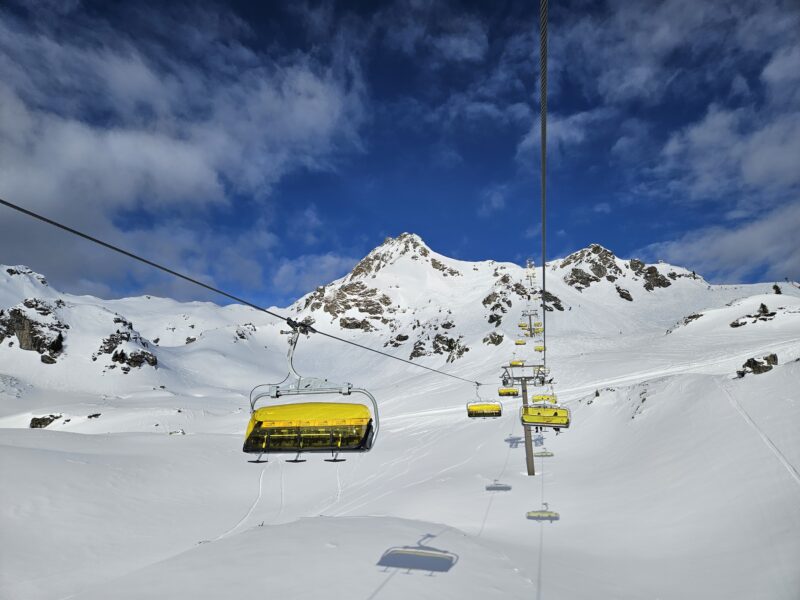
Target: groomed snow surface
x,y
677,481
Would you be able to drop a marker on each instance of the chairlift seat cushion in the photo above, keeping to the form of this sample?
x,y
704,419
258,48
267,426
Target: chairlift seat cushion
x,y
485,409
309,427
545,416
507,391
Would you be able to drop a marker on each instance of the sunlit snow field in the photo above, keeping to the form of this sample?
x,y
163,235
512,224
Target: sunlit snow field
x,y
677,481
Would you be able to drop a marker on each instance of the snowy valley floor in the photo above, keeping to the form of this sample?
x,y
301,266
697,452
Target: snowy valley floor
x,y
672,483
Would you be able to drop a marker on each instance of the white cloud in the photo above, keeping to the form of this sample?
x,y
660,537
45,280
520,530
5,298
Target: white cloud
x,y
493,200
602,208
767,242
730,153
97,121
563,132
303,274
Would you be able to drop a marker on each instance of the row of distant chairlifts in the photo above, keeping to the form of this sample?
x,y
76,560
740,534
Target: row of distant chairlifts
x,y
284,419
543,410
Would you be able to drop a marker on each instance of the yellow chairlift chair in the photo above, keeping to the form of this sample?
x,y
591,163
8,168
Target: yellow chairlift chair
x,y
484,409
287,425
541,415
508,391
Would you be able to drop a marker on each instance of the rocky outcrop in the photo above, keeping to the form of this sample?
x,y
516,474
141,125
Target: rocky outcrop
x,y
624,294
243,332
350,323
127,348
350,296
42,422
652,278
439,343
580,279
590,265
758,366
493,339
686,320
499,300
25,271
440,266
397,340
552,301
36,326
763,314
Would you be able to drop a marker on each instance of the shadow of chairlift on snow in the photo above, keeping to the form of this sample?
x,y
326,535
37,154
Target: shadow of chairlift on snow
x,y
418,558
497,486
513,441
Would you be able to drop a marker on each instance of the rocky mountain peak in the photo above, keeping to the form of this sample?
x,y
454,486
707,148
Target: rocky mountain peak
x,y
590,265
596,263
23,271
405,245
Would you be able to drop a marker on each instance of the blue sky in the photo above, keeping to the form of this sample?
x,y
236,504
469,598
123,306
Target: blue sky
x,y
267,148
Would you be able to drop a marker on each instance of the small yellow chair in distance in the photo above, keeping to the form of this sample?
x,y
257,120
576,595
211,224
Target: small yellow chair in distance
x,y
508,391
484,410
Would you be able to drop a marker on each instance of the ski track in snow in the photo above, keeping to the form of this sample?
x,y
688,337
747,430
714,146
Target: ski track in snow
x,y
764,437
252,506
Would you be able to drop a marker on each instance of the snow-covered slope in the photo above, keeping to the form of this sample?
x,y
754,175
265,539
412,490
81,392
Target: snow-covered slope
x,y
677,479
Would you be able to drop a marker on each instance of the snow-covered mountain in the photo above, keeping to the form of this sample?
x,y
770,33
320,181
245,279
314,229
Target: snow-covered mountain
x,y
678,478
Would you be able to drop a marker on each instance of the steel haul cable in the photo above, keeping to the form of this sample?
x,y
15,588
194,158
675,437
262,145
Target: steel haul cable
x,y
287,320
543,145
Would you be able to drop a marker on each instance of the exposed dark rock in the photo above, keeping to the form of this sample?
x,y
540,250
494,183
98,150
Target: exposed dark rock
x,y
36,327
93,416
191,340
42,422
26,271
758,366
137,356
552,301
777,289
624,294
453,347
636,266
418,350
491,299
353,295
440,266
47,359
654,279
686,321
762,314
600,261
397,340
493,339
351,323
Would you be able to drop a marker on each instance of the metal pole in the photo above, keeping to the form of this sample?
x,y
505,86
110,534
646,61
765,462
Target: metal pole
x,y
528,437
